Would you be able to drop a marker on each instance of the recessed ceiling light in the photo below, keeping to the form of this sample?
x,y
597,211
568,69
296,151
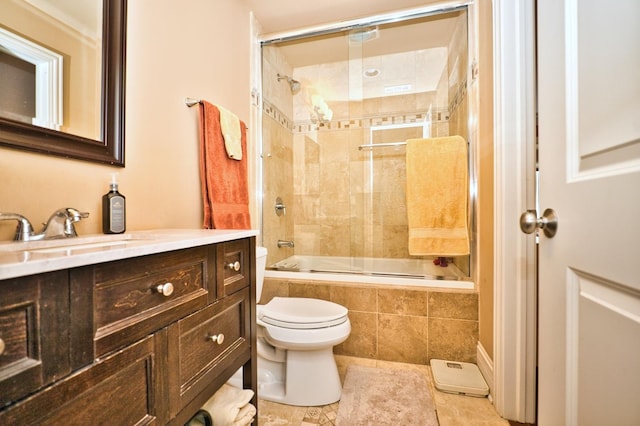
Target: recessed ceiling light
x,y
371,72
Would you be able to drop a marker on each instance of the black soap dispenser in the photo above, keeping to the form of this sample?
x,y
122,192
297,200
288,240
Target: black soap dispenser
x,y
113,209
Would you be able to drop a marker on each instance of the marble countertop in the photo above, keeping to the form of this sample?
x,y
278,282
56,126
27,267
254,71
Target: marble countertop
x,y
27,258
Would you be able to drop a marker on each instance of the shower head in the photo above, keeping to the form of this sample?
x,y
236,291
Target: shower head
x,y
294,85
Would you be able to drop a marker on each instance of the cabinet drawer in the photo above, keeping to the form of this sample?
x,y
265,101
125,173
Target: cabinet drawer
x,y
34,333
200,360
135,297
119,390
234,266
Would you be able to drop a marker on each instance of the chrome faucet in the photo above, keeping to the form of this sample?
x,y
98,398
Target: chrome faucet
x,y
285,243
24,230
59,225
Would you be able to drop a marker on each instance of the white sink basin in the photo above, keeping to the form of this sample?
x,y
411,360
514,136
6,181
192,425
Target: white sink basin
x,y
75,245
73,249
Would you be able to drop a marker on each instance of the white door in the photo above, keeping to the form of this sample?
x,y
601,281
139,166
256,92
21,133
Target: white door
x,y
589,159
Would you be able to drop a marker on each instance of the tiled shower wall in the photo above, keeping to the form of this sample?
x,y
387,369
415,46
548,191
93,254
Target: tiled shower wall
x,y
350,202
277,166
277,154
342,201
401,324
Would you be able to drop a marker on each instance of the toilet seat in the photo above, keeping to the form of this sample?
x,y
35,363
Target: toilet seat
x,y
302,313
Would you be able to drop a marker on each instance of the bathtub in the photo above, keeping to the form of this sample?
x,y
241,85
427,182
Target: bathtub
x,y
403,272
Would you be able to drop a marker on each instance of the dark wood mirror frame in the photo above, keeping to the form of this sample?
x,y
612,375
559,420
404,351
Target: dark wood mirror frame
x,y
110,149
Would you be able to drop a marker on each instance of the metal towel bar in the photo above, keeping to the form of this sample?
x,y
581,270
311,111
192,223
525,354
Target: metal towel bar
x,y
381,145
191,102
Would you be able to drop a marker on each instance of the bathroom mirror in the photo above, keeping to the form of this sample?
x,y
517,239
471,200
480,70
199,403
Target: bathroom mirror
x,y
103,142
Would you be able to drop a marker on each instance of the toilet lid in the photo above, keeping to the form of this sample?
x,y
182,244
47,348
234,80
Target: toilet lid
x,y
299,312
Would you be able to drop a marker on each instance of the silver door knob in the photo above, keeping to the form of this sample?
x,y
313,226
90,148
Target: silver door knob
x,y
529,222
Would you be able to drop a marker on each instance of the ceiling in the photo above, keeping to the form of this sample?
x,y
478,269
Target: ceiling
x,y
290,16
410,53
285,15
408,36
85,16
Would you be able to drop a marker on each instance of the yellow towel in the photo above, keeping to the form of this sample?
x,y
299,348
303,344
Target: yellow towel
x,y
437,194
230,126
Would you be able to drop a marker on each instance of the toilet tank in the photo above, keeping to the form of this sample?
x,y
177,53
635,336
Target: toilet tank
x,y
261,265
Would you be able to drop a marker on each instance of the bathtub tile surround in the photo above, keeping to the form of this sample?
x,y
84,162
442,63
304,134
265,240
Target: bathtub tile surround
x,y
396,324
453,306
363,340
354,298
403,302
451,339
403,338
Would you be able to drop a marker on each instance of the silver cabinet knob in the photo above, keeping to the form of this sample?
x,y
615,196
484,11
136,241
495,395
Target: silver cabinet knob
x,y
234,266
529,222
165,289
217,338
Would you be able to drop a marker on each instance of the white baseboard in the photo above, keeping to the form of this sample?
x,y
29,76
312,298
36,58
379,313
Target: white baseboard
x,y
485,365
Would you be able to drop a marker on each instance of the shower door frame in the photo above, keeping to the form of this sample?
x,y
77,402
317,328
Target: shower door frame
x,y
397,16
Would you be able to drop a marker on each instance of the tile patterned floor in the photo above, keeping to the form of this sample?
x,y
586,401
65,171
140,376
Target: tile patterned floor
x,y
453,410
325,415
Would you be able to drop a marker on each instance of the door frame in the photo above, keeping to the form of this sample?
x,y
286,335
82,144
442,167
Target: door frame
x,y
515,297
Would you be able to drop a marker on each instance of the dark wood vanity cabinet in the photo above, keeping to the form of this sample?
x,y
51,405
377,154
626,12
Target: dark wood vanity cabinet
x,y
34,334
144,340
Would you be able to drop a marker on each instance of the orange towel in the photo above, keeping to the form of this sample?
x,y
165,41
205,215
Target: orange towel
x,y
437,194
224,181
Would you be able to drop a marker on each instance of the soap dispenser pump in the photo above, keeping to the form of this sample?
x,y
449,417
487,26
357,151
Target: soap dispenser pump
x,y
113,209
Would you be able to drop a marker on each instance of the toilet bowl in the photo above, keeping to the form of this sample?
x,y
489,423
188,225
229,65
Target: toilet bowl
x,y
295,342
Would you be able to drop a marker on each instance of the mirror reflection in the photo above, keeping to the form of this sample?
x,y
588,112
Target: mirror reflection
x,y
51,64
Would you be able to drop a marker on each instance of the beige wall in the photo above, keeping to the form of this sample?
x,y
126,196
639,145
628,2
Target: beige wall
x,y
175,50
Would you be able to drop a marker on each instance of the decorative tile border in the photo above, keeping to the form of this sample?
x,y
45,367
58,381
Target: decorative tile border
x,y
272,111
438,115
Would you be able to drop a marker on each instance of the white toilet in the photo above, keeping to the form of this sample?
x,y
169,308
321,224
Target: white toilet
x,y
296,337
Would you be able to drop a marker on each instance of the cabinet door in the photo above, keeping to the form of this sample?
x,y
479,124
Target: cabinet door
x,y
205,349
34,333
121,389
